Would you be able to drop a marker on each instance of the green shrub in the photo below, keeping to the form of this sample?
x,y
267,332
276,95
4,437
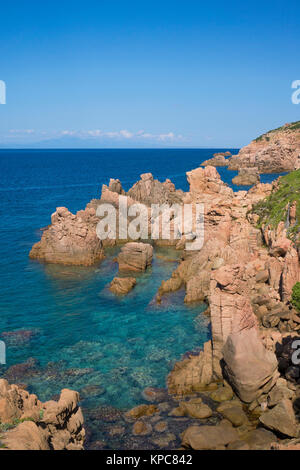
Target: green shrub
x,y
296,296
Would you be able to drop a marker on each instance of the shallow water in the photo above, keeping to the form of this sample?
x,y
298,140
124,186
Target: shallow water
x,y
88,335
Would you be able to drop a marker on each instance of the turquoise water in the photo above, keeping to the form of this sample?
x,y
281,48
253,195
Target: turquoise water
x,y
79,333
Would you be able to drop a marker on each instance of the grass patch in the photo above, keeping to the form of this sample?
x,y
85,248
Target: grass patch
x,y
7,426
273,209
293,126
295,300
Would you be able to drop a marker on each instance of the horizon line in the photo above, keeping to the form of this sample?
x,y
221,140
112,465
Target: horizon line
x,y
118,148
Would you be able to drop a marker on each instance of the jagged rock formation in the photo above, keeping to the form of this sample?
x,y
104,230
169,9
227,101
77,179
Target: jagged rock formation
x,y
274,152
28,424
150,191
70,239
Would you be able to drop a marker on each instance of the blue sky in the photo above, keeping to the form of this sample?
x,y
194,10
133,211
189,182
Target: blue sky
x,y
148,73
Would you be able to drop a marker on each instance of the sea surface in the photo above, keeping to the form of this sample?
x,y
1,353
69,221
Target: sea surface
x,y
80,335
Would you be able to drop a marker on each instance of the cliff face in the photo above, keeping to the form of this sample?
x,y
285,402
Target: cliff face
x,y
274,152
28,424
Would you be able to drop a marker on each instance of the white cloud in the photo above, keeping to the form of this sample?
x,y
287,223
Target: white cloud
x,y
126,134
99,134
22,131
169,136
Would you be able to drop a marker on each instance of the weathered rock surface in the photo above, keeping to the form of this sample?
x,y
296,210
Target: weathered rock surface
x,y
33,425
250,368
135,256
218,160
247,177
122,285
281,419
273,152
70,239
207,180
150,191
192,374
195,408
209,437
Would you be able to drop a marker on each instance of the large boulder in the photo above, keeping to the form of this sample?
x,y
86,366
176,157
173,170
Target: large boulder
x,y
281,419
135,256
209,437
70,239
249,367
207,181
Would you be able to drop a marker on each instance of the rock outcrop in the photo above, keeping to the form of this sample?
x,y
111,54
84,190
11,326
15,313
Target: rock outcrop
x,y
150,191
207,181
135,256
192,374
218,160
122,285
28,424
274,152
247,177
70,239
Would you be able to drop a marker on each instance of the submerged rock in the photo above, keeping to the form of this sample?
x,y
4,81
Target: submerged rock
x,y
142,410
140,428
122,285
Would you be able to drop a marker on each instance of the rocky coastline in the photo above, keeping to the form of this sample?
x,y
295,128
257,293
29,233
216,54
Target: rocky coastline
x,y
276,151
242,391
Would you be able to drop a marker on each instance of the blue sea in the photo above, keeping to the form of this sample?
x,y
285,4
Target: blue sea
x,y
79,334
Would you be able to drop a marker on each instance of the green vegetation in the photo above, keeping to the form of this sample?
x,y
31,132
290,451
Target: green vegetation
x,y
295,300
7,426
273,209
293,126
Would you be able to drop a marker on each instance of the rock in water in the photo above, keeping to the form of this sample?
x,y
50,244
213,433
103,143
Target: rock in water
x,y
71,239
250,368
135,256
217,160
122,285
247,177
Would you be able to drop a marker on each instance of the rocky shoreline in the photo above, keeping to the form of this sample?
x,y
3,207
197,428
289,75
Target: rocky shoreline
x,y
243,390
